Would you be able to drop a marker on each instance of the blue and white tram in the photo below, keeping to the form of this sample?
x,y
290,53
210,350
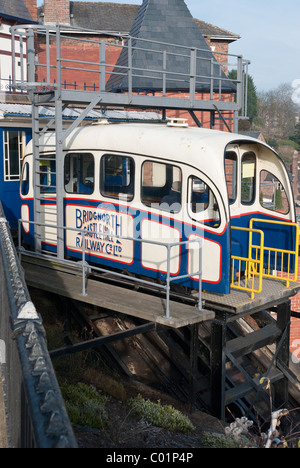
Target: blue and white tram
x,y
170,183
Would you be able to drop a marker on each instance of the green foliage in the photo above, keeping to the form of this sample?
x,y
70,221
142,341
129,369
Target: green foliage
x,y
162,416
85,406
272,141
296,137
214,440
252,100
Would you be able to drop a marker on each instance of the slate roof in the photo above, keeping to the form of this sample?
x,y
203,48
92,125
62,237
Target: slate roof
x,y
171,22
16,10
119,18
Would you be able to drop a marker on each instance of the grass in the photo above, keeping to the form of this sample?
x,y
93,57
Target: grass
x,y
164,416
85,405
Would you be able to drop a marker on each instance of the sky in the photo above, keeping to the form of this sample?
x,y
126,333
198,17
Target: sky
x,y
269,30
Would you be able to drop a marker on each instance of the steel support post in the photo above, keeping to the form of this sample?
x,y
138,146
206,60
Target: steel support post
x,y
193,365
59,175
36,172
283,322
218,359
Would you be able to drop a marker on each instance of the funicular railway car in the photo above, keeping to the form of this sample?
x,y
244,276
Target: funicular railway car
x,y
168,183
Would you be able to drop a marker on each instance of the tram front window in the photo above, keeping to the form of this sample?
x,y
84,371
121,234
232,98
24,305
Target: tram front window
x,y
248,183
231,175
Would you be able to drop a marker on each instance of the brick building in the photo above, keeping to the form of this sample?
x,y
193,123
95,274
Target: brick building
x,y
107,17
171,25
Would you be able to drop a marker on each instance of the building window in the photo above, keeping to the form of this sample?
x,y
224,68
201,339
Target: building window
x,y
14,143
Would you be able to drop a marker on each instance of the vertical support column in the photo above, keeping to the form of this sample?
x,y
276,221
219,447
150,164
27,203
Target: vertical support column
x,y
218,342
59,149
36,172
240,84
102,67
283,322
59,176
193,365
193,72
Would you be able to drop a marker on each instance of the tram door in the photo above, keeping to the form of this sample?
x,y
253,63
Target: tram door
x,y
48,210
256,191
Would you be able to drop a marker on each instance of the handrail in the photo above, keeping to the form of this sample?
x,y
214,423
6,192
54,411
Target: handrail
x,y
283,275
249,267
86,268
215,80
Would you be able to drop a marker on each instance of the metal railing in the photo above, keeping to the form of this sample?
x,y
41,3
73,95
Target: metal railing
x,y
281,264
247,272
264,261
41,72
35,412
86,268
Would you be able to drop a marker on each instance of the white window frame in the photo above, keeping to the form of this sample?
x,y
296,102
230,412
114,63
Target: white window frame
x,y
8,177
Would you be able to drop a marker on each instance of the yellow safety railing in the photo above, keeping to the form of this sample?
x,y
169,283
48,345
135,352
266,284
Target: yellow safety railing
x,y
280,262
247,273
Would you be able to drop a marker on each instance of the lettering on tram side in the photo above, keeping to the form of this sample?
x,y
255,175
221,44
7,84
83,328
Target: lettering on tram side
x,y
104,229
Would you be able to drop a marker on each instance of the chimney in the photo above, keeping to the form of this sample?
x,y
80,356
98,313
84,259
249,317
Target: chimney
x,y
32,8
57,11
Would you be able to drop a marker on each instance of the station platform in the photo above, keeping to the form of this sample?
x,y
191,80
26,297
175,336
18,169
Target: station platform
x,y
274,292
67,282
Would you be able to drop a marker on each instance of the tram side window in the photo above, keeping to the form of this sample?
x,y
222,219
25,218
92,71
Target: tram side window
x,y
231,175
117,177
248,183
272,195
79,173
161,186
25,180
48,174
203,204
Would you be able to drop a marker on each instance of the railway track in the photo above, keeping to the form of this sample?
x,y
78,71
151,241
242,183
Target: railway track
x,y
160,356
160,359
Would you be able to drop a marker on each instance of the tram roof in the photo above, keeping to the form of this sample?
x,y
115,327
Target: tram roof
x,y
177,144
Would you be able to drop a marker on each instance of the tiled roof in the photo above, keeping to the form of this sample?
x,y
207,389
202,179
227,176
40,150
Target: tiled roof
x,y
170,22
111,17
15,9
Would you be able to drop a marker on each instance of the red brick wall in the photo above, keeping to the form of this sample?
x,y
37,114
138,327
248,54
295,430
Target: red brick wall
x,y
57,11
32,7
295,324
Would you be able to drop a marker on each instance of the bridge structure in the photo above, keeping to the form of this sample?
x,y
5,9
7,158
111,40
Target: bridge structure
x,y
32,410
44,79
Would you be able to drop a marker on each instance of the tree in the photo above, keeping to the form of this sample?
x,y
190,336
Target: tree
x,y
277,112
296,136
251,97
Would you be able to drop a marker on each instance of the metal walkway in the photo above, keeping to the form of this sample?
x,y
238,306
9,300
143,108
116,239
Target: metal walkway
x,y
66,280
